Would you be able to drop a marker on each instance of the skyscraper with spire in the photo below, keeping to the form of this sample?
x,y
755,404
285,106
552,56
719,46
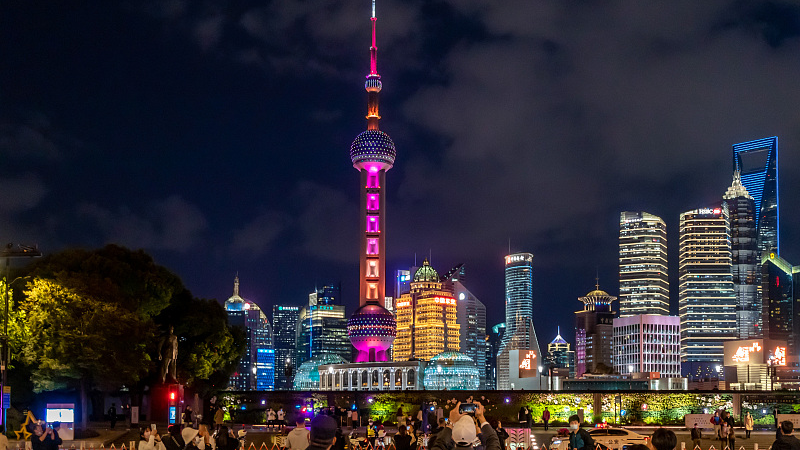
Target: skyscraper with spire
x,y
372,328
745,268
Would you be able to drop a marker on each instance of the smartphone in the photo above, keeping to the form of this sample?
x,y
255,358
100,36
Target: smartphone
x,y
467,408
153,427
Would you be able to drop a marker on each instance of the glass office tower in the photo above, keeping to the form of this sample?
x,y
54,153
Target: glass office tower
x,y
757,162
643,283
707,303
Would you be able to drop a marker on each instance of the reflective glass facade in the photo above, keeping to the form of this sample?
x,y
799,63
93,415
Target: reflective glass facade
x,y
643,282
781,301
757,162
322,328
284,319
745,258
707,304
519,292
258,334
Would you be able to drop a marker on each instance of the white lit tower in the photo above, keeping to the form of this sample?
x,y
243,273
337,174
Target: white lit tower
x,y
372,327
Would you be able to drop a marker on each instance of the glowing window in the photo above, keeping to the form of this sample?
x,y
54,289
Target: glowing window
x,y
373,202
372,268
372,291
372,224
372,181
372,246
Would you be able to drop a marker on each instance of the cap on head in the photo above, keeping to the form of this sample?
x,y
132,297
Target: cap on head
x,y
464,433
323,430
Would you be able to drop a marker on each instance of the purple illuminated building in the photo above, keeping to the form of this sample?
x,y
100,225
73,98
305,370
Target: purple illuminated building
x,y
372,328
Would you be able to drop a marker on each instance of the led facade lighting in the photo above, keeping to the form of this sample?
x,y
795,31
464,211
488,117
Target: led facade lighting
x,y
707,303
371,328
757,162
247,315
427,322
643,282
744,259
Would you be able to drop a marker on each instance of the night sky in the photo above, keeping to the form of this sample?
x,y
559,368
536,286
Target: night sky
x,y
215,135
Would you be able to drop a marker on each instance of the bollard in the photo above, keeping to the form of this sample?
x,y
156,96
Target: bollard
x,y
683,445
755,447
132,445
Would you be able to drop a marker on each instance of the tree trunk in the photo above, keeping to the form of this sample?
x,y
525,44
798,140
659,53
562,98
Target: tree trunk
x,y
84,406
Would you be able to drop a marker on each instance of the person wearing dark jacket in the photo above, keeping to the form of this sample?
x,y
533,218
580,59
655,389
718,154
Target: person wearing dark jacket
x,y
441,425
786,441
460,433
322,435
579,439
402,440
173,440
502,434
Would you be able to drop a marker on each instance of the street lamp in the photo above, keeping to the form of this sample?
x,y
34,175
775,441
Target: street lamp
x,y
9,252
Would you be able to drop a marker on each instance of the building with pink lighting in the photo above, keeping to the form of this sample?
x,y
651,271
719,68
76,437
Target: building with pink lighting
x,y
372,328
648,343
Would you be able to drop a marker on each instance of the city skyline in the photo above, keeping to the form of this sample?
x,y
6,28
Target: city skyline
x,y
181,134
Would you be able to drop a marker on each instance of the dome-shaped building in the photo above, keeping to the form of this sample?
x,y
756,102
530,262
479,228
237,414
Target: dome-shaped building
x,y
451,371
371,329
307,376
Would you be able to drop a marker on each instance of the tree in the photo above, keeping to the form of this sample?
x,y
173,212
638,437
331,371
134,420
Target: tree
x,y
79,340
89,320
209,348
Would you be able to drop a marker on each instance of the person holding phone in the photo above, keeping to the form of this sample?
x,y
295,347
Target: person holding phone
x,y
461,433
149,439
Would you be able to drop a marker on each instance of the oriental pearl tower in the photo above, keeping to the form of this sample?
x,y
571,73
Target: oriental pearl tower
x,y
372,328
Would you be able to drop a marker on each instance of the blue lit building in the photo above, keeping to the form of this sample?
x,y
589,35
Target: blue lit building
x,y
258,333
757,162
284,321
265,369
781,301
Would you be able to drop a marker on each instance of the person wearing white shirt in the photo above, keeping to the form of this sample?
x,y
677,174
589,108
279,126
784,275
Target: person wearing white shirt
x,y
150,440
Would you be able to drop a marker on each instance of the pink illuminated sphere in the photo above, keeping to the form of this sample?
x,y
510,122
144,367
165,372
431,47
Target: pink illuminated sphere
x,y
371,329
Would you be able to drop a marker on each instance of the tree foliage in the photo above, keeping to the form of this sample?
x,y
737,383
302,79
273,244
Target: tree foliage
x,y
91,319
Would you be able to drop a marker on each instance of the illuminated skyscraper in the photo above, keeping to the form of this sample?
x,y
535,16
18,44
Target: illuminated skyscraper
x,y
745,259
757,162
322,327
520,333
426,318
594,329
494,340
256,370
519,292
643,283
471,318
560,359
284,320
781,300
372,327
707,303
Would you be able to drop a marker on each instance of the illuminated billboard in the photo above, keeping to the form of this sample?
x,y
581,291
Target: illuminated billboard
x,y
755,351
528,363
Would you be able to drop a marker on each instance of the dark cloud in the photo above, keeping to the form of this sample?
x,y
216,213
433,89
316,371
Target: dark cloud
x,y
534,122
170,224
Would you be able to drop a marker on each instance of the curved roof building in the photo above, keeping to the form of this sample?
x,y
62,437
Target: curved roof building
x,y
307,377
451,371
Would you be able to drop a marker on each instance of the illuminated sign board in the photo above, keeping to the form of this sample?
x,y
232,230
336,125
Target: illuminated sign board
x,y
777,357
743,353
527,363
402,304
445,300
755,351
510,259
714,211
